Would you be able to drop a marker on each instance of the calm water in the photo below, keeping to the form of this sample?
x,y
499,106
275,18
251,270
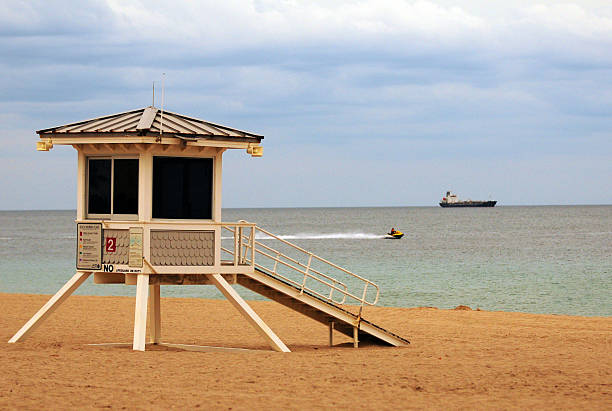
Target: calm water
x,y
552,259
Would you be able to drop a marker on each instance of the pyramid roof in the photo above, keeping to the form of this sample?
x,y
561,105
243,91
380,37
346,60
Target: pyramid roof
x,y
149,121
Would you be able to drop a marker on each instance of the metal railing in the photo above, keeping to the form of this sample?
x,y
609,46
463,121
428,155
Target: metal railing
x,y
275,260
240,247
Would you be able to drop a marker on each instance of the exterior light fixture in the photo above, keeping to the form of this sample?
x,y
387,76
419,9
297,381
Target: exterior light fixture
x,y
44,145
255,151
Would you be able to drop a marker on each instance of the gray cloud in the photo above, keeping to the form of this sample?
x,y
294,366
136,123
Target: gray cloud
x,y
453,88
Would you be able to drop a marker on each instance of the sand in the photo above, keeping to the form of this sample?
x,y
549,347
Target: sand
x,y
458,359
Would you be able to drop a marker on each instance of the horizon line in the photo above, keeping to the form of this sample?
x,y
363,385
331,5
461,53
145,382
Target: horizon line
x,y
376,206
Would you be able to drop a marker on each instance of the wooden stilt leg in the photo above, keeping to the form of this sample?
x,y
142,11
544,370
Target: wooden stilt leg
x,y
248,313
51,305
356,337
140,312
331,333
154,314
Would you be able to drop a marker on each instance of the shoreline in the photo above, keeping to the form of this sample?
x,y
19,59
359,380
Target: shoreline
x,y
460,307
457,358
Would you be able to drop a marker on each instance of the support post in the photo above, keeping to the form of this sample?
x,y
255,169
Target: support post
x,y
331,333
356,337
154,314
248,313
51,305
140,312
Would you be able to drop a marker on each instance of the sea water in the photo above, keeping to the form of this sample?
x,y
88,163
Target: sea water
x,y
544,259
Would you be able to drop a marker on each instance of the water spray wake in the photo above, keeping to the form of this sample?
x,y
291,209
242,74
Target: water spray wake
x,y
321,236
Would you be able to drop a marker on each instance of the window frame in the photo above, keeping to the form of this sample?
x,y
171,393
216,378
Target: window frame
x,y
112,216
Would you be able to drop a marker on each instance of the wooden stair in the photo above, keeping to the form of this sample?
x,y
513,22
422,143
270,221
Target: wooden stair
x,y
319,309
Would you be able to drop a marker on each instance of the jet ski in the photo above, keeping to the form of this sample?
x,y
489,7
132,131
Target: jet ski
x,y
394,235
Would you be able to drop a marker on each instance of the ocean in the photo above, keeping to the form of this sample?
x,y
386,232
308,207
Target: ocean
x,y
540,259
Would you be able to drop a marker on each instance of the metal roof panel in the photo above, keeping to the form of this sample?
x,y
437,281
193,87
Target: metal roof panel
x,y
149,119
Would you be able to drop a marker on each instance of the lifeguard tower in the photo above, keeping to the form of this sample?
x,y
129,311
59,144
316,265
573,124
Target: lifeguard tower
x,y
149,214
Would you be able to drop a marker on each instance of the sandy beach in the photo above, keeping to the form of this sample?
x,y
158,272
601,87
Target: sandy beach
x,y
458,358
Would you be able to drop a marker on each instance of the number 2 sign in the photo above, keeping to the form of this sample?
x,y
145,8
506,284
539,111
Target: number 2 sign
x,y
111,244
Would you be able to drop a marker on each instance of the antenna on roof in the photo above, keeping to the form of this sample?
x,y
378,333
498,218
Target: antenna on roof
x,y
153,104
161,128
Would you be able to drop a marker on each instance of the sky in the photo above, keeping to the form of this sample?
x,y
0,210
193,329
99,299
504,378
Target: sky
x,y
362,103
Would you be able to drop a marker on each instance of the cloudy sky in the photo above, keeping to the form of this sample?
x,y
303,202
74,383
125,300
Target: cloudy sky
x,y
362,103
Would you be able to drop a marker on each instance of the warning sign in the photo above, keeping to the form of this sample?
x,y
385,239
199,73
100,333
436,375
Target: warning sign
x,y
135,253
89,246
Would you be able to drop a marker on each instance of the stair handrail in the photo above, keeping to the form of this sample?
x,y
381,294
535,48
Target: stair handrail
x,y
367,283
308,268
302,286
243,257
365,280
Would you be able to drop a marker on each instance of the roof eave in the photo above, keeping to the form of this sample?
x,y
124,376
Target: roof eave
x,y
253,138
67,139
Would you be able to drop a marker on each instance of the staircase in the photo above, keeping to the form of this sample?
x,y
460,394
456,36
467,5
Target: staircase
x,y
309,284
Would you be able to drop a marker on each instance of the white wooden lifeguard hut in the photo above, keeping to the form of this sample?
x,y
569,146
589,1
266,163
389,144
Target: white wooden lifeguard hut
x,y
149,214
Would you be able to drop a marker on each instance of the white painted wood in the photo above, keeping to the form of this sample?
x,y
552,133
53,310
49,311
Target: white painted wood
x,y
154,314
81,185
160,224
355,337
217,261
316,303
339,314
248,313
216,269
140,312
188,149
217,186
110,149
331,333
145,186
59,139
204,270
145,200
217,201
51,305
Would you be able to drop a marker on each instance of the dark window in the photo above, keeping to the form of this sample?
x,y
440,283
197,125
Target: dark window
x,y
120,197
182,187
99,198
125,186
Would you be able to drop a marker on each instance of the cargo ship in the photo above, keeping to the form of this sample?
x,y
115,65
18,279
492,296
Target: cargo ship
x,y
451,200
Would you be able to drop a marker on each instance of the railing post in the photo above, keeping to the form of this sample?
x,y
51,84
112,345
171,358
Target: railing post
x,y
365,290
236,249
306,273
252,243
240,245
363,297
278,254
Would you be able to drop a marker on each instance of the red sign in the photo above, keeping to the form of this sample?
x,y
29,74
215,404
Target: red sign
x,y
111,244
